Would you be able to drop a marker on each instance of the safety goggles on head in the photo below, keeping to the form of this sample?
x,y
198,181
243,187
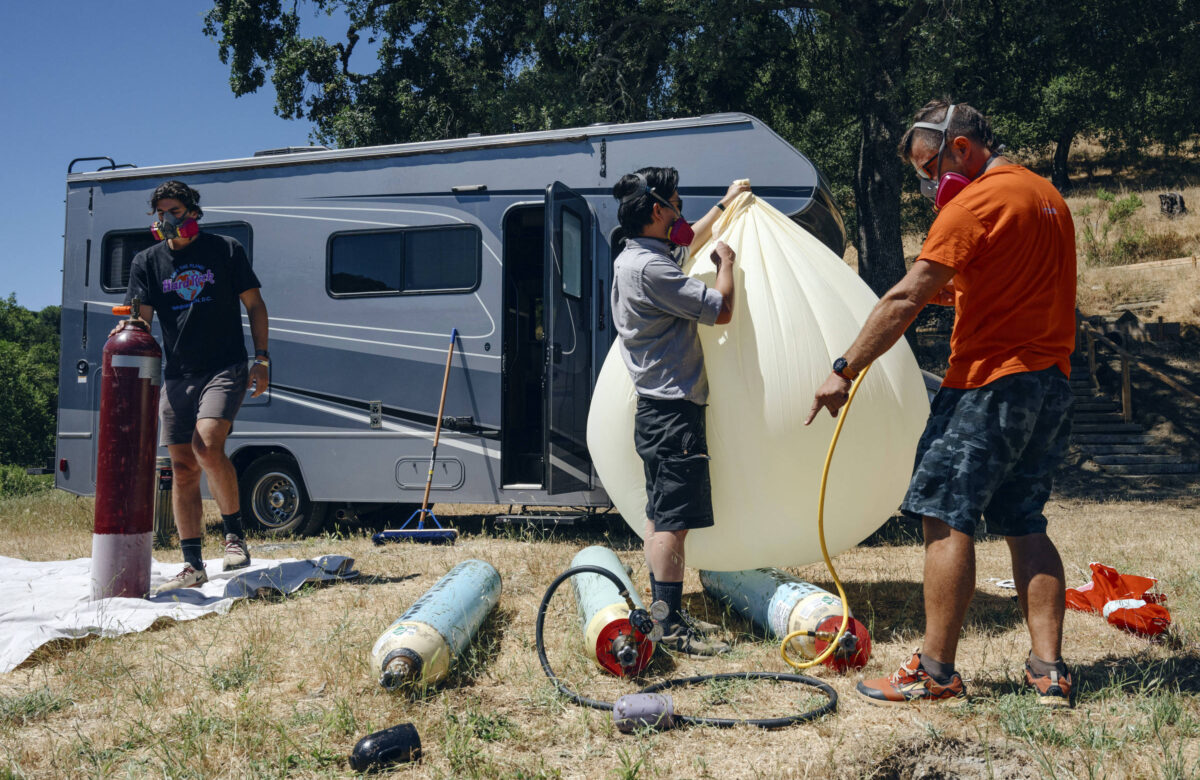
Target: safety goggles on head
x,y
938,187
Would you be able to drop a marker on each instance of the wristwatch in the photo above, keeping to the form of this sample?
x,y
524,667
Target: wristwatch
x,y
262,353
839,367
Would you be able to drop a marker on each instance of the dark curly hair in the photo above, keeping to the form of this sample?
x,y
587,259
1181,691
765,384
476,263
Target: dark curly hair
x,y
180,192
637,206
967,121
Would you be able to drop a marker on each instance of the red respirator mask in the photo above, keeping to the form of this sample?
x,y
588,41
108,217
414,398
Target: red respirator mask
x,y
680,232
175,227
943,187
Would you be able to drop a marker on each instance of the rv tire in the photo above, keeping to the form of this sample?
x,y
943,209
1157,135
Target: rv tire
x,y
275,501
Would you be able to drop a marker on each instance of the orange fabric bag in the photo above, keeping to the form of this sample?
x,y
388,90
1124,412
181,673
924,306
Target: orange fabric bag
x,y
1125,600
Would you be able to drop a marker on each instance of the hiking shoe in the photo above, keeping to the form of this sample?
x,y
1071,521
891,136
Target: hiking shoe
x,y
681,639
237,554
701,627
911,684
1053,690
188,578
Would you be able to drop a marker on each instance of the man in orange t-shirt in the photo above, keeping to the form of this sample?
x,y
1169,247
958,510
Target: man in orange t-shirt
x,y
1002,252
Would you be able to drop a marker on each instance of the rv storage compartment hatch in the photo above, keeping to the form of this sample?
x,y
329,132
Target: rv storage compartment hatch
x,y
448,473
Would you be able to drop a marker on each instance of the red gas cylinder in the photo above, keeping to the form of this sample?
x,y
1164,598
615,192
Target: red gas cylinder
x,y
128,442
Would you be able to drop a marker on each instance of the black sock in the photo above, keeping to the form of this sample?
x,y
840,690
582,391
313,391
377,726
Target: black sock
x,y
191,553
672,594
940,672
233,523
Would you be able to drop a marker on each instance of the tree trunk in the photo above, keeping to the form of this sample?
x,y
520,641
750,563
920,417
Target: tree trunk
x,y
1062,149
877,200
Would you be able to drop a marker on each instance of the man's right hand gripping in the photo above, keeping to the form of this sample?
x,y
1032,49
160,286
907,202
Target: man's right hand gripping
x,y
121,326
722,257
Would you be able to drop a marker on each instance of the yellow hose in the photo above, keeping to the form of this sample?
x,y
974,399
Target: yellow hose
x,y
833,644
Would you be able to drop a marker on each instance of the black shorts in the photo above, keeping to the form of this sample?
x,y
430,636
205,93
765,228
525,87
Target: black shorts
x,y
669,436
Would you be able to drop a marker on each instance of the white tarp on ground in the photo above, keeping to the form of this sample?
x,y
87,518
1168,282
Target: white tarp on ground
x,y
41,601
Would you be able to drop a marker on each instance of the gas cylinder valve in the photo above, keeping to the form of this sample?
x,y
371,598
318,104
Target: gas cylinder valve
x,y
619,629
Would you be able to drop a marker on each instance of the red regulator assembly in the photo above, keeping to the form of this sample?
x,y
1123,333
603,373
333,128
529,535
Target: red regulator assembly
x,y
127,445
854,649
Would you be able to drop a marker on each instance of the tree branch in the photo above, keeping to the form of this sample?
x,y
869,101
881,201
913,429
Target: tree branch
x,y
907,22
345,50
831,8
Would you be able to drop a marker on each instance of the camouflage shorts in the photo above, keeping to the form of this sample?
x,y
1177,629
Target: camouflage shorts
x,y
992,451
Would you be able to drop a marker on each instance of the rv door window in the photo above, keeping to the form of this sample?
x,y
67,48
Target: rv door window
x,y
572,251
120,246
443,259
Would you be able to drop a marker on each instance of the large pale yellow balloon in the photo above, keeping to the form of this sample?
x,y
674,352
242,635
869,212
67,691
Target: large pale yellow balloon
x,y
798,307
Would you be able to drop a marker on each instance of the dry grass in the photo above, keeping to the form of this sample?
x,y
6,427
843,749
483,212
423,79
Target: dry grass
x,y
1172,292
1182,301
283,688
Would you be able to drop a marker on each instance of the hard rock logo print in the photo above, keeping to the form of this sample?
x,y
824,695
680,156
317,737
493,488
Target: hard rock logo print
x,y
188,282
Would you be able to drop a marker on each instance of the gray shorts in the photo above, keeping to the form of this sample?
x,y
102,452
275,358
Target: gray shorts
x,y
184,401
991,452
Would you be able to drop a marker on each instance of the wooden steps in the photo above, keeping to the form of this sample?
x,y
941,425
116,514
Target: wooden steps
x,y
1119,448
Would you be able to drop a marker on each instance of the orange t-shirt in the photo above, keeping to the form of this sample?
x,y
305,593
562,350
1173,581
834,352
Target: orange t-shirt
x,y
1010,237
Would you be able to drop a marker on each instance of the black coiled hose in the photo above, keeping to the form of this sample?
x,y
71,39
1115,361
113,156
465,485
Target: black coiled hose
x,y
767,723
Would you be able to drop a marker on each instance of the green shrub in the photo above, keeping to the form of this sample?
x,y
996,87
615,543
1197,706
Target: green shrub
x,y
1123,209
14,482
1107,236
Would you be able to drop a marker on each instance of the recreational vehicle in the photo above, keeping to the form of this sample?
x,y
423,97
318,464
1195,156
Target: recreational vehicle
x,y
369,258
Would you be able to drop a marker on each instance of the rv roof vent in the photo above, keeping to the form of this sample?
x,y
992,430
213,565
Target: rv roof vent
x,y
290,150
473,135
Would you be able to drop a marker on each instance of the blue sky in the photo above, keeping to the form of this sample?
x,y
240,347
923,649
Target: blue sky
x,y
138,82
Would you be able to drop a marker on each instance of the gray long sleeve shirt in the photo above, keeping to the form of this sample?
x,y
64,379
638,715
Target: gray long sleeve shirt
x,y
655,308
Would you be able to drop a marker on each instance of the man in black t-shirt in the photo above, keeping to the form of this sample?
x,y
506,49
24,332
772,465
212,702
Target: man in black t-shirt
x,y
197,283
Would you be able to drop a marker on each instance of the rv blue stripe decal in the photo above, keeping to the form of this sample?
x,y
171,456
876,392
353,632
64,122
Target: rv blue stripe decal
x,y
391,426
420,418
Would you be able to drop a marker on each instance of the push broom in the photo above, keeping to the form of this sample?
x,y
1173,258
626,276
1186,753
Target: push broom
x,y
438,534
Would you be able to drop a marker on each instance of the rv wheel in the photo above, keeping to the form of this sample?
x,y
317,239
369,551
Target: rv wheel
x,y
274,498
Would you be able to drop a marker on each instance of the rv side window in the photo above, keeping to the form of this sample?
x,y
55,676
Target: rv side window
x,y
365,263
572,251
117,254
410,260
120,246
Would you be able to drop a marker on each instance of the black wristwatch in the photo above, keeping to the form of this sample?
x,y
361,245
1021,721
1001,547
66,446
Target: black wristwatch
x,y
839,367
262,353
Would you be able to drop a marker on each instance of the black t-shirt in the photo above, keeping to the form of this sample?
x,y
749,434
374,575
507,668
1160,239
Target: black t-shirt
x,y
194,292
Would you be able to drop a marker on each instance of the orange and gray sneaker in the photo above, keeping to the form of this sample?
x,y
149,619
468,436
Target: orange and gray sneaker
x,y
1053,690
912,684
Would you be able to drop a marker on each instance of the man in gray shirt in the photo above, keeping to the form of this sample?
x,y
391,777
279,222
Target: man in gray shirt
x,y
656,308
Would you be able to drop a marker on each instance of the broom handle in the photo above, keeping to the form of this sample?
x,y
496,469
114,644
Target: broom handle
x,y
437,429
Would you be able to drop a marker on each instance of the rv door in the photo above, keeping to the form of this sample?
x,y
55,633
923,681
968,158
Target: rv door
x,y
567,387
